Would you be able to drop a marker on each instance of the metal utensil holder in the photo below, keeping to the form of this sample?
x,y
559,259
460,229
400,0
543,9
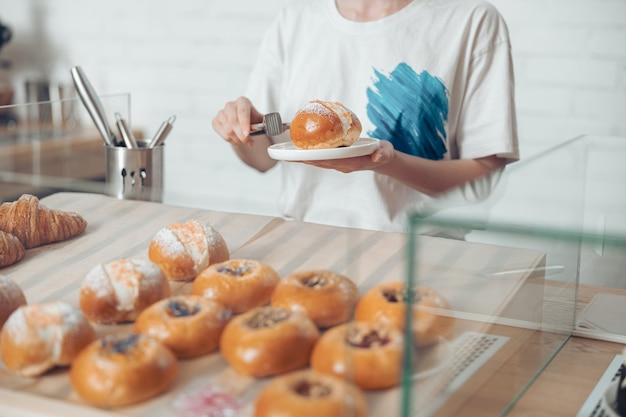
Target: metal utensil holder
x,y
135,174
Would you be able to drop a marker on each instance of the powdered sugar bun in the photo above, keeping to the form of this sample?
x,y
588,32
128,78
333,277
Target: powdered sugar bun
x,y
38,337
11,297
120,290
324,124
183,250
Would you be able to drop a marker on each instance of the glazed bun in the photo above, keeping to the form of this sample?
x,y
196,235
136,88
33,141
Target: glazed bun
x,y
123,369
11,297
386,303
308,393
189,325
328,298
39,337
239,284
183,250
366,353
324,124
268,341
118,291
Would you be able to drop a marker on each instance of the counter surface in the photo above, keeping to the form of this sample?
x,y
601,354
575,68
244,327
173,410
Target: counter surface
x,y
122,228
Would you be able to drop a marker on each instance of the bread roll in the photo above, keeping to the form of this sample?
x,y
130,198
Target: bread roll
x,y
324,124
183,250
189,325
118,291
366,353
328,298
386,303
11,297
308,393
123,369
268,341
39,337
239,284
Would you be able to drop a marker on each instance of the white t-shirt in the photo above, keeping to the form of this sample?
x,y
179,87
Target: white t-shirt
x,y
435,79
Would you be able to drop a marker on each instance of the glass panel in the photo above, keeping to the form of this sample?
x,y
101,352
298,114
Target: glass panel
x,y
510,283
50,146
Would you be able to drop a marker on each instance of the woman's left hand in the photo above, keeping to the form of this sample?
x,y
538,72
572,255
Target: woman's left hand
x,y
382,156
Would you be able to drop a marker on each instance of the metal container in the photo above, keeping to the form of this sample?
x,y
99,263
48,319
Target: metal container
x,y
134,174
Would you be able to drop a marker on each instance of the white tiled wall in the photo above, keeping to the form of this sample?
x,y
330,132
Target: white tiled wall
x,y
187,57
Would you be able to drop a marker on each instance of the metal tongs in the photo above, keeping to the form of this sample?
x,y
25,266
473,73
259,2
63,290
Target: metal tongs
x,y
272,125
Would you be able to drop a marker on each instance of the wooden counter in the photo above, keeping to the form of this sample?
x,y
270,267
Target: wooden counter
x,y
122,228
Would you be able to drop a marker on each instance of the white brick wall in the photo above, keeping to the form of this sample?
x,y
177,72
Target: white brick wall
x,y
190,56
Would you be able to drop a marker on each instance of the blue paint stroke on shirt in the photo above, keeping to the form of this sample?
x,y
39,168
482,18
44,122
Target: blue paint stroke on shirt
x,y
410,110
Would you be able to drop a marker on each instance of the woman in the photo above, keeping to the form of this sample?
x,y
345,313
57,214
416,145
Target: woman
x,y
433,79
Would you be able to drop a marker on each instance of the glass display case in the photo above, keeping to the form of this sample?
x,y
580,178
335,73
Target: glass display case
x,y
535,254
510,279
53,145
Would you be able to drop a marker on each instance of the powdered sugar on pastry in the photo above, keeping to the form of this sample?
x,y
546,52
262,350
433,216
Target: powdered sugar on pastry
x,y
183,250
40,336
118,290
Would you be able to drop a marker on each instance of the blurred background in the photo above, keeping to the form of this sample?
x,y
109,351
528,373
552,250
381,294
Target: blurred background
x,y
188,57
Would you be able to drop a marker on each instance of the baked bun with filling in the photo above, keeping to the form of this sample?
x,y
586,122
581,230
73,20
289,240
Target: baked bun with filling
x,y
39,337
239,284
365,353
189,325
323,125
268,341
123,369
308,393
183,250
328,298
386,303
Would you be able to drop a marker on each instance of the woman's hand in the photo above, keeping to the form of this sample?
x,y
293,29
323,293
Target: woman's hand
x,y
382,156
233,122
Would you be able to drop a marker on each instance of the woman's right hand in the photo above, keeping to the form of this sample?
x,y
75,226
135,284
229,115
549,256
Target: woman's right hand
x,y
233,122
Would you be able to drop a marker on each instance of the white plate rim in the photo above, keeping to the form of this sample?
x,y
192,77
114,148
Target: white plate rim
x,y
286,151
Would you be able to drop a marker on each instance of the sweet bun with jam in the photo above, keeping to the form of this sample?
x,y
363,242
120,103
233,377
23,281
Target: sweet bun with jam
x,y
327,297
386,302
123,369
189,325
307,393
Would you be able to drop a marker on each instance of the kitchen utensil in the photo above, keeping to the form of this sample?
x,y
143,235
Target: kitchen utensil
x,y
127,134
272,125
93,105
162,133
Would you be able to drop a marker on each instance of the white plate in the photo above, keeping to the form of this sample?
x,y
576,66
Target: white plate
x,y
286,151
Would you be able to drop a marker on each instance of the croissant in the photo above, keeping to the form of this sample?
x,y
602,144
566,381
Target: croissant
x,y
11,249
35,225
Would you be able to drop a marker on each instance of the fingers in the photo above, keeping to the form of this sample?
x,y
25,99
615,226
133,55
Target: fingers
x,y
384,154
232,123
